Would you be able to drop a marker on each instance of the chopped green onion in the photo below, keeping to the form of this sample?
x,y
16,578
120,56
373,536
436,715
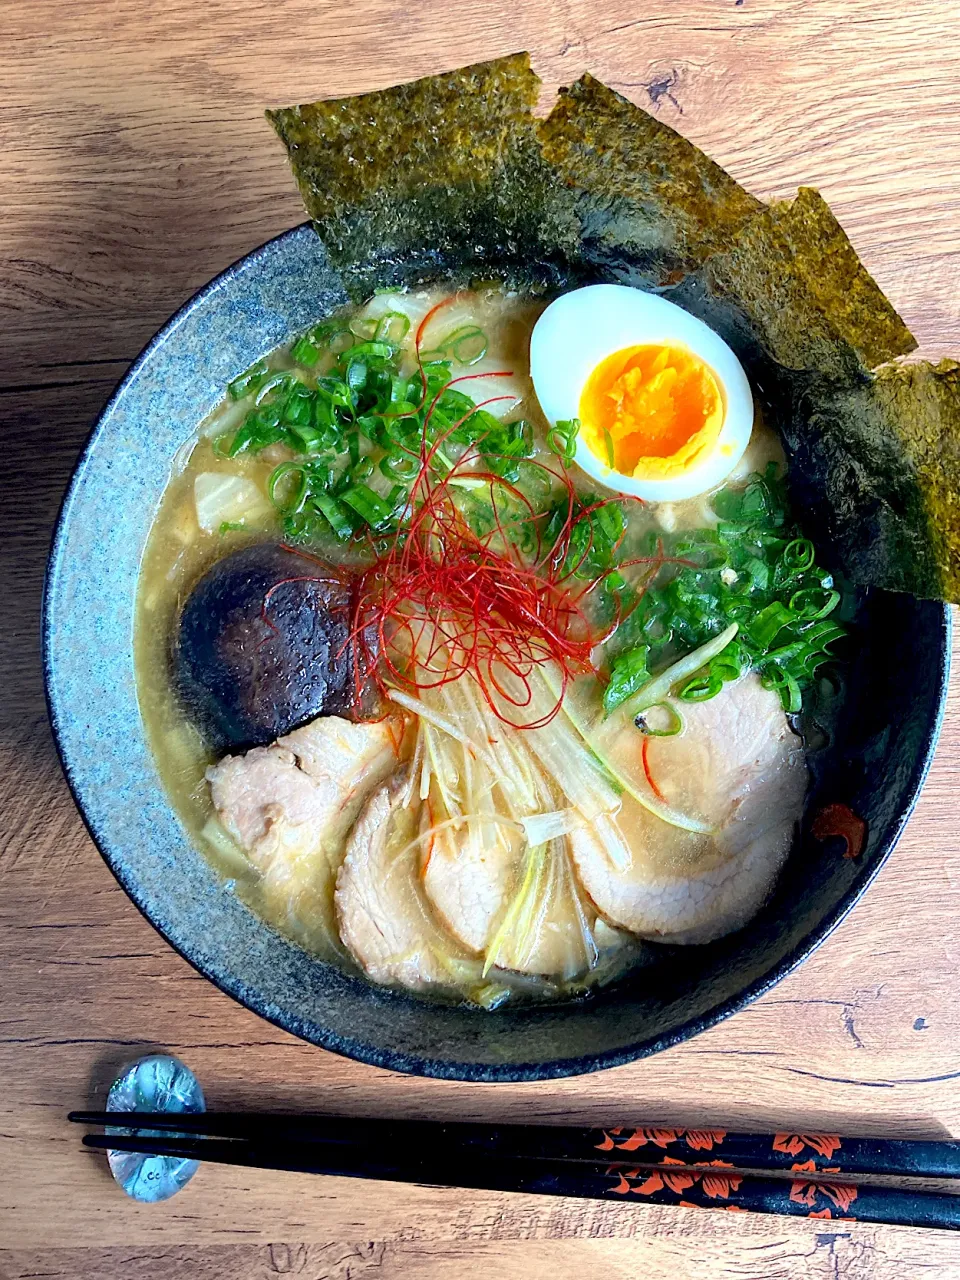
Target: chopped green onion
x,y
403,467
562,439
786,685
814,602
655,690
466,345
372,351
339,341
368,505
768,623
339,521
393,327
249,380
363,327
629,673
305,351
674,721
608,518
275,382
701,688
295,500
798,555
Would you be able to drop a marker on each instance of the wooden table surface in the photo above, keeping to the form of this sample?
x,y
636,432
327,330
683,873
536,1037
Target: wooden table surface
x,y
134,164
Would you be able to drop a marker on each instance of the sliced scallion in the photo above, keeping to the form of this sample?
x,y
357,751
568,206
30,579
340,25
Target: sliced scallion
x,y
376,511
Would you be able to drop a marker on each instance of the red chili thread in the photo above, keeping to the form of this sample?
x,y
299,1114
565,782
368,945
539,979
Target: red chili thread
x,y
646,769
442,601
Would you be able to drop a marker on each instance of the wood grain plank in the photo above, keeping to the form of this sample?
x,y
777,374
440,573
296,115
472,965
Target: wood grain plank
x,y
821,1254
135,163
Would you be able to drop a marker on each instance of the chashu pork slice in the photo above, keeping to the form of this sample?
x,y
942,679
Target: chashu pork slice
x,y
738,765
290,806
382,915
474,879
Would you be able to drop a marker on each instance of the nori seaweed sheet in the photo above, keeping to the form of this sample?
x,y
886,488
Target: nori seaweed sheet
x,y
451,177
443,176
648,199
793,271
877,466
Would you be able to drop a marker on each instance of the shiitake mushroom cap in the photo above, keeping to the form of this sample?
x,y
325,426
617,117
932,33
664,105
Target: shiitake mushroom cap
x,y
263,645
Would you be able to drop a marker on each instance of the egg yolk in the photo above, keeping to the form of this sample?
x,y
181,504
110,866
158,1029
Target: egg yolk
x,y
651,411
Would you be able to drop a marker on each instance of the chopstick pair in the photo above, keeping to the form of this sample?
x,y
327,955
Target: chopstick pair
x,y
702,1168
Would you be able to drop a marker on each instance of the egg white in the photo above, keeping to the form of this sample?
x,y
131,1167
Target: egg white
x,y
581,328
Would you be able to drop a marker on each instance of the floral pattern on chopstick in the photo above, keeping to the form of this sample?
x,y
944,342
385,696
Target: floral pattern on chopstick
x,y
791,1144
621,1139
704,1184
714,1185
809,1193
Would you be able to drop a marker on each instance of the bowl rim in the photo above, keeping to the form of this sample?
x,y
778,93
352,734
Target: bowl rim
x,y
401,1061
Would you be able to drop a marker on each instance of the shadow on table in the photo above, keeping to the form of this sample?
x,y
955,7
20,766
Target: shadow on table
x,y
151,217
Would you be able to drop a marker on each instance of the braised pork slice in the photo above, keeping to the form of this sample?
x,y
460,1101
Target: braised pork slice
x,y
488,890
469,873
290,806
382,916
738,765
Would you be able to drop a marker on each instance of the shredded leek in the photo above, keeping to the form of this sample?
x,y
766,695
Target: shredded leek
x,y
529,880
432,717
658,689
596,736
541,827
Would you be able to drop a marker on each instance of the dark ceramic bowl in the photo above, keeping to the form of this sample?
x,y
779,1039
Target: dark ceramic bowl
x,y
876,764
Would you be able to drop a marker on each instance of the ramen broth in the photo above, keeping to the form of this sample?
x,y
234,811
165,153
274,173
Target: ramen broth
x,y
179,552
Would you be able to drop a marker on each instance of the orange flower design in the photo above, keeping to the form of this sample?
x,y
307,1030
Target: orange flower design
x,y
654,1183
807,1192
623,1186
791,1144
703,1139
692,1204
620,1139
803,1193
819,1213
715,1185
718,1185
841,1195
672,1181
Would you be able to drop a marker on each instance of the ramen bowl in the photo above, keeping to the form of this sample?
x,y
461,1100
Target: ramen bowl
x,y
875,761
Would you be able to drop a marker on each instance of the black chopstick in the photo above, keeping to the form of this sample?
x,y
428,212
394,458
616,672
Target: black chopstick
x,y
716,1187
652,1144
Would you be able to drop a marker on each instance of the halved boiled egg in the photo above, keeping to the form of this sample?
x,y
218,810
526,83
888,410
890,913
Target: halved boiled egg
x,y
664,405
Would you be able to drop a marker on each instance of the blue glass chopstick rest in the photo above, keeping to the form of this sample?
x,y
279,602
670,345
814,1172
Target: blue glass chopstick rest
x,y
158,1082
